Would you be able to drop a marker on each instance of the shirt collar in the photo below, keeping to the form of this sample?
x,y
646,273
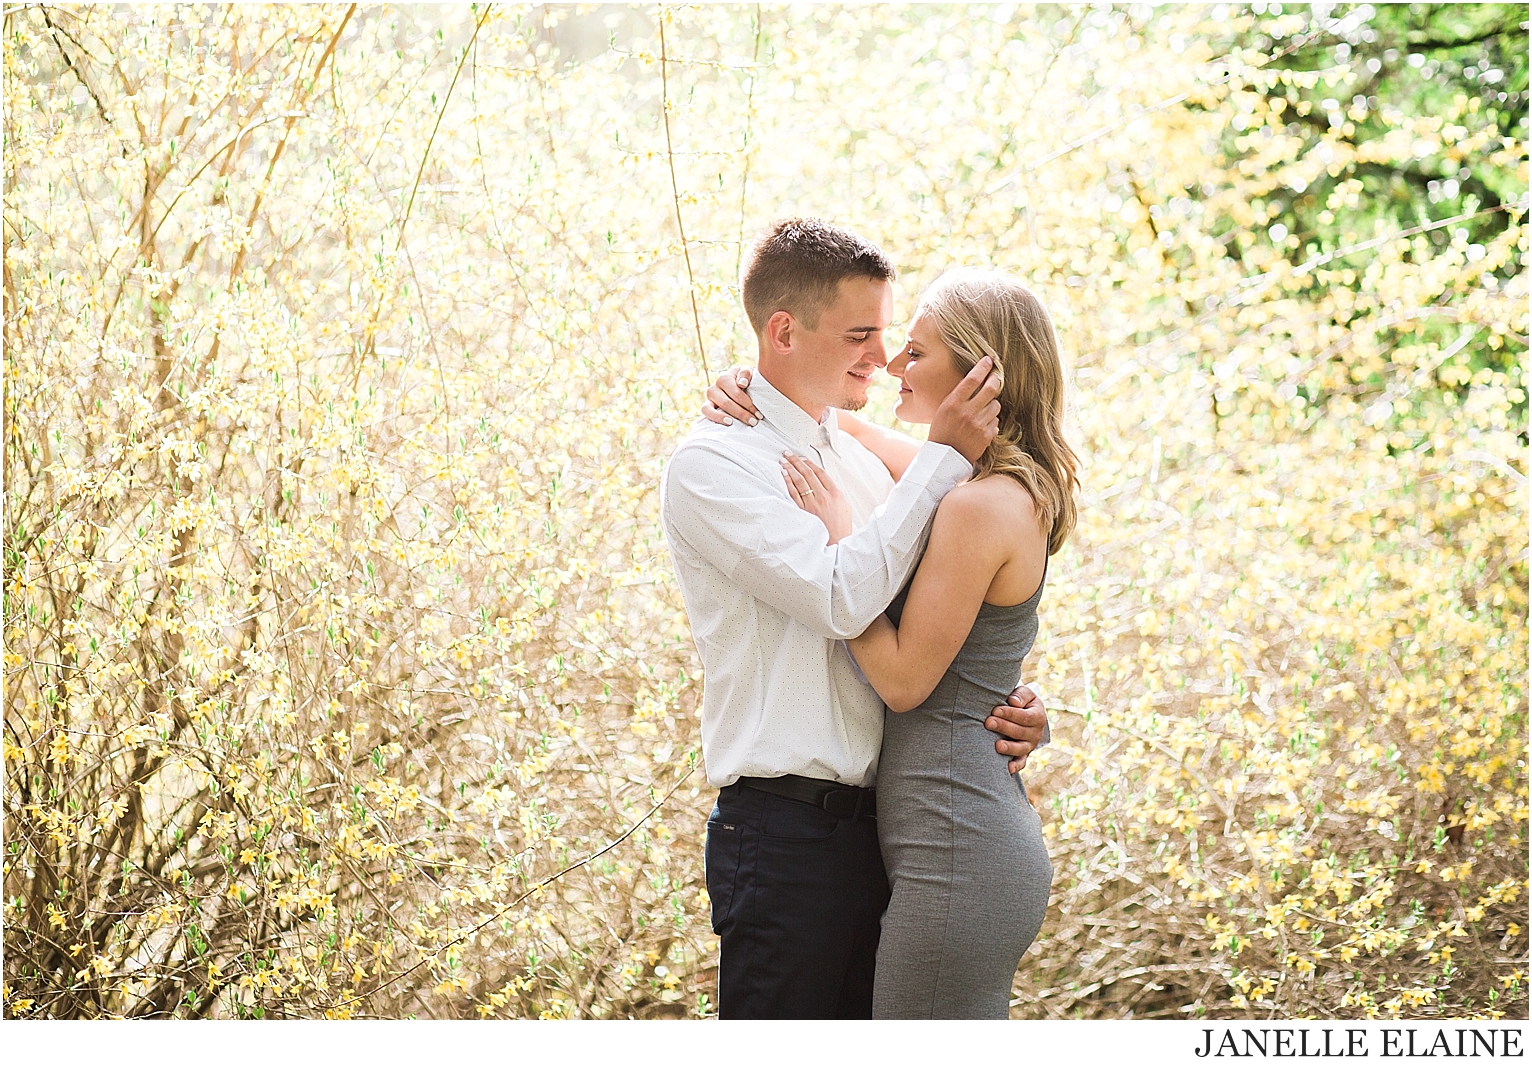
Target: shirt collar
x,y
790,420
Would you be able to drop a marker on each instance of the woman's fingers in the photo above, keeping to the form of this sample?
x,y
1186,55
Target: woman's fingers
x,y
797,484
792,490
813,490
817,495
728,394
727,406
811,467
815,473
711,409
811,474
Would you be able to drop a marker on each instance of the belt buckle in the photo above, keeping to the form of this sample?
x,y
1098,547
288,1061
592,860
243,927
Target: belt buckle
x,y
842,802
852,803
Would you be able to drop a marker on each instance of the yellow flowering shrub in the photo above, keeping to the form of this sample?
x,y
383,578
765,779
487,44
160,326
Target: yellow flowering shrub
x,y
345,674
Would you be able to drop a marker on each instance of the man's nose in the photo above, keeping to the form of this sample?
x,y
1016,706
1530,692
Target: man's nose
x,y
877,353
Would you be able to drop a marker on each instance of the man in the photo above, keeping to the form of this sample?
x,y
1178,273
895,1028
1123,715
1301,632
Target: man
x,y
790,730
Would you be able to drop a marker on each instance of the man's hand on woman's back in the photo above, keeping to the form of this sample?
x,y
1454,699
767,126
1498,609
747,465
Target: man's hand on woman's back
x,y
1022,723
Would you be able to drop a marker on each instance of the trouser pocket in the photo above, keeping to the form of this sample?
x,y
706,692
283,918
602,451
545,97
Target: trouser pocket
x,y
721,867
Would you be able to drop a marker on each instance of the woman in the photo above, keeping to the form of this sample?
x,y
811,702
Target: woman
x,y
961,843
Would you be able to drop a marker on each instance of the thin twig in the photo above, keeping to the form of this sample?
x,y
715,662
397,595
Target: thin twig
x,y
1262,282
1135,116
544,883
744,181
76,71
675,195
426,155
293,113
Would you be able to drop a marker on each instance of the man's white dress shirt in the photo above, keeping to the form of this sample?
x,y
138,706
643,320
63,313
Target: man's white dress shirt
x,y
770,601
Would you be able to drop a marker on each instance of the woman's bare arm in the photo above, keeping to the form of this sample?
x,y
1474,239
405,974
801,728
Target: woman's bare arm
x,y
974,535
893,449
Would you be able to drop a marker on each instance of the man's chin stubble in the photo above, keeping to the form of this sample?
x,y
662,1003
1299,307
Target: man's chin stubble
x,y
852,403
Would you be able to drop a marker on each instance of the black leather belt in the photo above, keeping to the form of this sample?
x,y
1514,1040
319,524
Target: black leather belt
x,y
843,801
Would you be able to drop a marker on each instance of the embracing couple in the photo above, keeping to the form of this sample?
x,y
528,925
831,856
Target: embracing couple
x,y
862,604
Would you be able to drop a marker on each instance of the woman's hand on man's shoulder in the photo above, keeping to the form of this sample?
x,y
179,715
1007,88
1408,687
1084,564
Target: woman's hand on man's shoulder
x,y
727,399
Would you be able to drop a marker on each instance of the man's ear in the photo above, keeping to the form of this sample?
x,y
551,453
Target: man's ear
x,y
781,332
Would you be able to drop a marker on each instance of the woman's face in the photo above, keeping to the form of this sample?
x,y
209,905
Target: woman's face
x,y
925,371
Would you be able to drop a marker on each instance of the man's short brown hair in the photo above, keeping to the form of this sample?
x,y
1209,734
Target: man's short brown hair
x,y
798,263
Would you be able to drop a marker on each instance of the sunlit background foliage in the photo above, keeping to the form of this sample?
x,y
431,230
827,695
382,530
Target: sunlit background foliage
x,y
344,670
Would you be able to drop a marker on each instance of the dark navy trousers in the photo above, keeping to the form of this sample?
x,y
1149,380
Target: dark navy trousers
x,y
798,896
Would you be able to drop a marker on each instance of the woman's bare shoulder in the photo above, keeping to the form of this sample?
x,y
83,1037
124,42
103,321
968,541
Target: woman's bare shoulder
x,y
990,518
996,498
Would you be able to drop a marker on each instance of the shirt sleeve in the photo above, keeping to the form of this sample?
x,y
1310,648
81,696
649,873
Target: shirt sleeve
x,y
747,526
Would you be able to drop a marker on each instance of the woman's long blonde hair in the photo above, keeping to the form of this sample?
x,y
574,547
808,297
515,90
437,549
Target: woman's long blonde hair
x,y
984,312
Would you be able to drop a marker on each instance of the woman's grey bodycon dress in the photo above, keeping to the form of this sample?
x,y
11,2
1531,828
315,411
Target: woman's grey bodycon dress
x,y
963,848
